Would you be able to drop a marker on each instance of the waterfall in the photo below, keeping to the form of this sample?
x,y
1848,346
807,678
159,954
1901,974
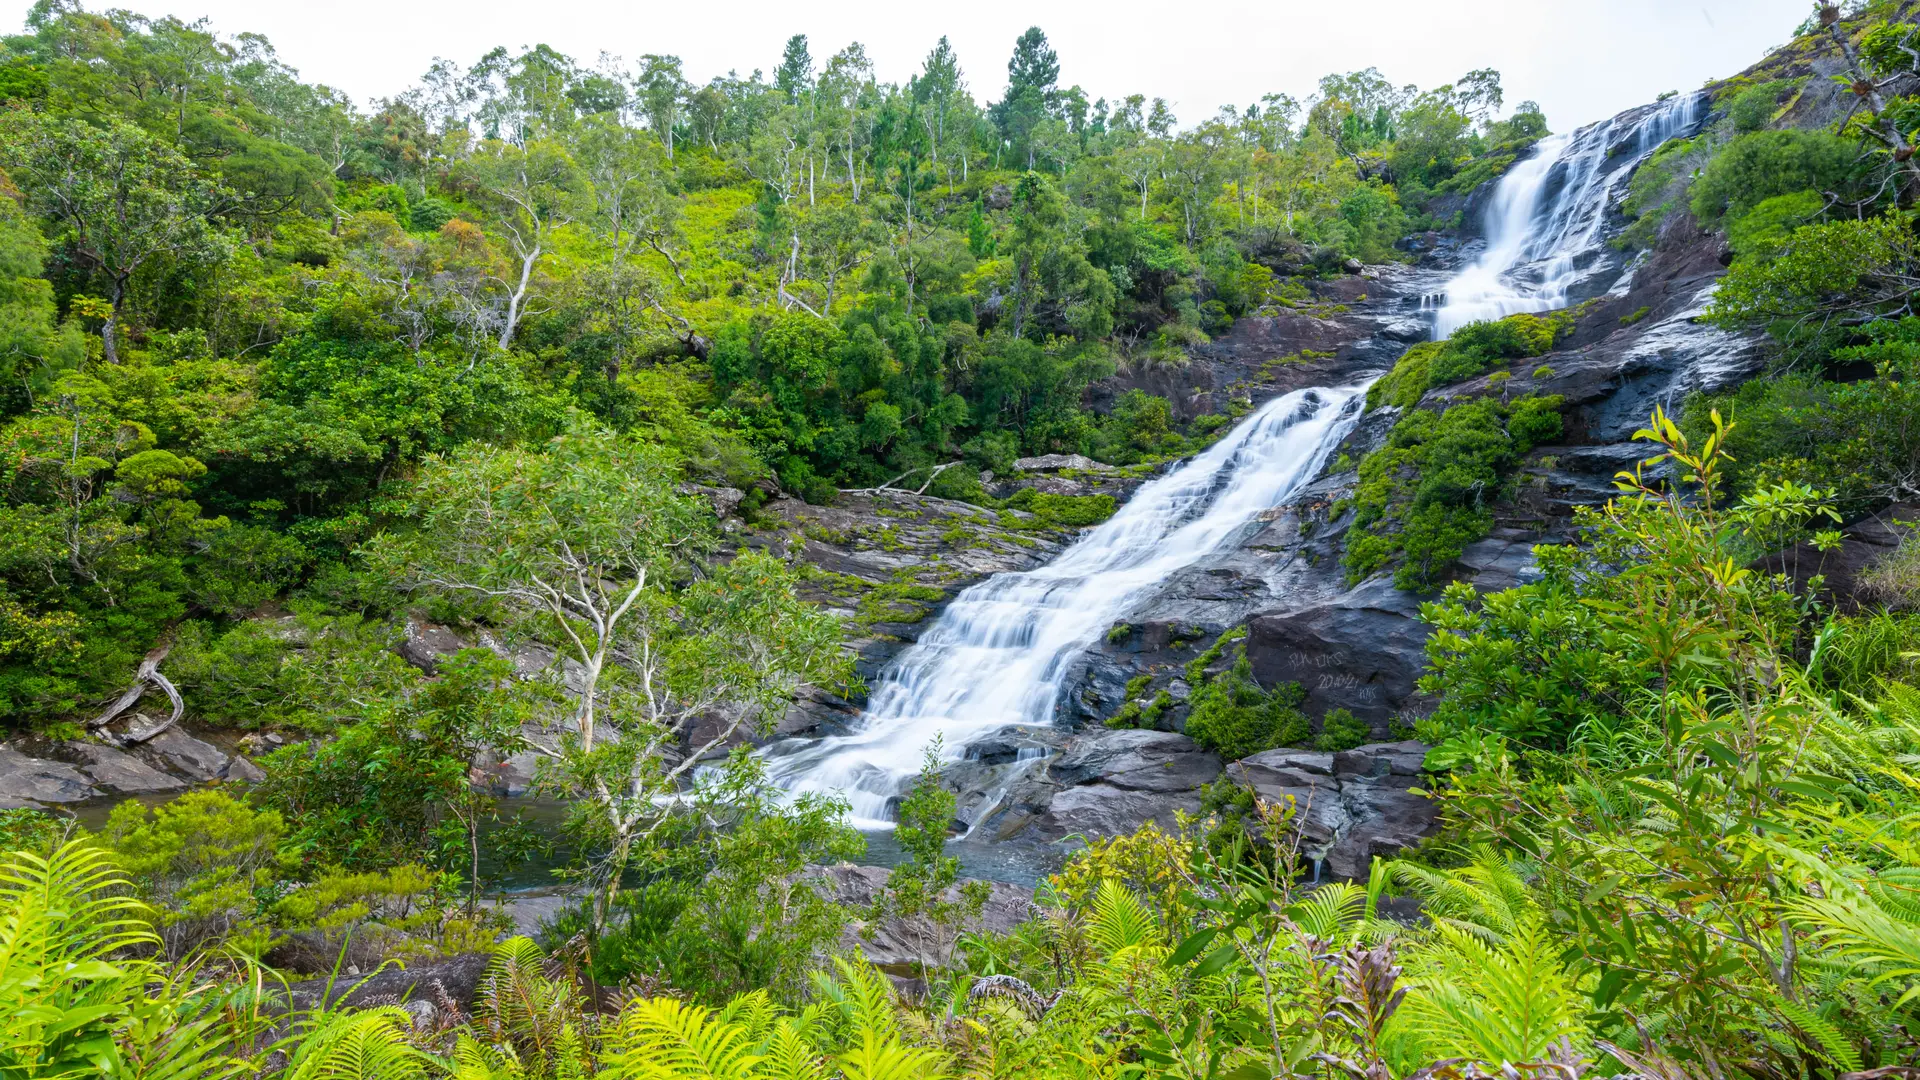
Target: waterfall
x,y
998,656
1546,221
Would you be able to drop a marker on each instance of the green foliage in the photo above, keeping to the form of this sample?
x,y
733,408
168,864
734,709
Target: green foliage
x,y
394,787
1838,272
1469,352
1341,730
1765,164
1753,107
1851,436
1426,494
203,860
1232,714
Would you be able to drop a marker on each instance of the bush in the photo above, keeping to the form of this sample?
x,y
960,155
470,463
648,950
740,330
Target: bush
x,y
1234,717
1760,166
1422,498
199,860
1753,108
1341,730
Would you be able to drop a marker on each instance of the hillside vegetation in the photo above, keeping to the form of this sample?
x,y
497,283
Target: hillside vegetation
x,y
280,370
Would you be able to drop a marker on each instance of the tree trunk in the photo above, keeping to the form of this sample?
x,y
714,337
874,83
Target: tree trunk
x,y
109,350
515,301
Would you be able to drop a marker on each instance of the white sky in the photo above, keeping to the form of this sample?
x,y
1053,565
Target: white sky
x,y
1583,60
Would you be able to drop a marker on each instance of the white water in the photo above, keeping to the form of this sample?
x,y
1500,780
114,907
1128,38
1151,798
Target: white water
x,y
1546,221
998,655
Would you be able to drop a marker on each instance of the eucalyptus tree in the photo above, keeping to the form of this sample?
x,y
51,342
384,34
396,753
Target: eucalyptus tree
x,y
670,652
661,90
119,200
532,191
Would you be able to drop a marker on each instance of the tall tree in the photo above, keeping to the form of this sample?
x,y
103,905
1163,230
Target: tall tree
x,y
585,543
532,192
1033,91
662,92
794,77
121,200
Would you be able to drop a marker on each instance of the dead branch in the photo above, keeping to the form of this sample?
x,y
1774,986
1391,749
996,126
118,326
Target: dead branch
x,y
145,677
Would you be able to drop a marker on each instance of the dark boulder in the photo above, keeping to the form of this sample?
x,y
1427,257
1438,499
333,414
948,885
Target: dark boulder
x,y
1363,652
1349,807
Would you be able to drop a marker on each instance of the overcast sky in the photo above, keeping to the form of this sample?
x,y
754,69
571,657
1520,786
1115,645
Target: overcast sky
x,y
1583,60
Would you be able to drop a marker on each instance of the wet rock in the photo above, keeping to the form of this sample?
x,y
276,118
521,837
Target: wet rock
x,y
1349,807
1137,761
529,911
183,755
1113,782
242,771
120,772
29,781
998,197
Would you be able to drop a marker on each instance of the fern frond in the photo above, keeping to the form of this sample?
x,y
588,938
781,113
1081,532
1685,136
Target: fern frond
x,y
1120,920
668,1039
366,1045
1821,1037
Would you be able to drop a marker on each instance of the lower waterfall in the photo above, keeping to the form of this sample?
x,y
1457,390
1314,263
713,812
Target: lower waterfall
x,y
997,657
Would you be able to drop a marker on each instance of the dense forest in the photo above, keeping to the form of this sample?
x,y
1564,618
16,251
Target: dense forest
x,y
279,370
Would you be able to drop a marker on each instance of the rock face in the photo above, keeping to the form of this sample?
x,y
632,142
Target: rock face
x,y
121,773
37,773
1113,782
27,782
1362,652
1349,807
896,945
1862,545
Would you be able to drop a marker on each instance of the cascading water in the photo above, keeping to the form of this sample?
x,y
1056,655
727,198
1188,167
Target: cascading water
x,y
1546,221
997,657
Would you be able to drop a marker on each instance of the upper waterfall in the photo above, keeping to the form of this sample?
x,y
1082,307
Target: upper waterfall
x,y
998,655
1545,222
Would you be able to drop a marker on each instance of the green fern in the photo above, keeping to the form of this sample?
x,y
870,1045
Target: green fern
x,y
1120,921
367,1045
667,1039
1491,1004
1820,1036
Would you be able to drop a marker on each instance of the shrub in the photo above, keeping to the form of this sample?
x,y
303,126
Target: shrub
x,y
1422,497
1757,167
1341,730
1234,717
199,860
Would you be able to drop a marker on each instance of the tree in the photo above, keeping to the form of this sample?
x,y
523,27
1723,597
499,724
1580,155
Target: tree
x,y
532,191
632,206
941,93
1889,57
396,785
844,89
794,77
1033,92
916,890
662,92
121,201
587,545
